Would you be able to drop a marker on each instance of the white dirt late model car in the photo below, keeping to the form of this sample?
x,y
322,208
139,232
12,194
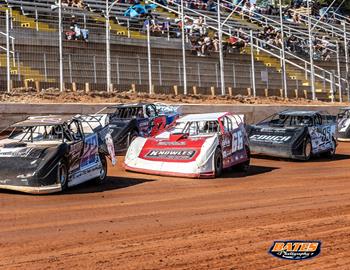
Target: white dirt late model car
x,y
196,146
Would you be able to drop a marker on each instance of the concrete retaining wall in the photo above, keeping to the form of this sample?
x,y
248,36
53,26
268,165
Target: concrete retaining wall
x,y
10,112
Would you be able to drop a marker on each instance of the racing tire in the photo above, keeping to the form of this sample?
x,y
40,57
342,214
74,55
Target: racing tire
x,y
244,167
133,136
307,150
62,174
103,171
218,162
331,153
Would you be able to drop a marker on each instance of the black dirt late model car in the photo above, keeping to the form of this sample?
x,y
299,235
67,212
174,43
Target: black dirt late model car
x,y
46,154
128,121
294,134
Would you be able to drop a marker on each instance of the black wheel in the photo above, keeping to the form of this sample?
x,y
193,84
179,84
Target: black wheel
x,y
62,174
133,136
103,171
307,149
244,167
218,162
331,152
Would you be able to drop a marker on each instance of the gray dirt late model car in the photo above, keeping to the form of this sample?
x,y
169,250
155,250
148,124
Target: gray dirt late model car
x,y
294,134
47,154
343,125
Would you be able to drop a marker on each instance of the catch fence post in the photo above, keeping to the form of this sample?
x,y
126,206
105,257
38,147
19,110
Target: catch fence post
x,y
253,62
8,67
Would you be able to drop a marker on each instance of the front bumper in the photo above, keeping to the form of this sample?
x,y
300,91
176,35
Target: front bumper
x,y
343,136
34,190
177,169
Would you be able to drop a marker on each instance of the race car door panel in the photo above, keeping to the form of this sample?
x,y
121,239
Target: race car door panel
x,y
321,135
157,122
233,148
321,138
76,147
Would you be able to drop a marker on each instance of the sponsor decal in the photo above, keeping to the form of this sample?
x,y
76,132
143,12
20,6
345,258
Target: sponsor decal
x,y
172,143
49,120
110,148
90,156
237,141
22,153
75,175
321,138
295,250
270,138
171,154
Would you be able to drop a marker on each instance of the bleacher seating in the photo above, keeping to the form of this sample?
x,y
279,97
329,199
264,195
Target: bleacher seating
x,y
85,62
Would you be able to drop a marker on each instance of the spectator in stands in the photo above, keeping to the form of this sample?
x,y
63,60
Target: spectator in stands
x,y
73,3
216,42
199,26
206,45
296,18
211,6
75,32
245,9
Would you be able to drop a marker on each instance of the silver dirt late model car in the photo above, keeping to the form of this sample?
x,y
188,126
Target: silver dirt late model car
x,y
294,134
46,154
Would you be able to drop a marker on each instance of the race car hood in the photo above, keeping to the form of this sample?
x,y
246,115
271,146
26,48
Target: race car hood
x,y
18,161
120,127
179,147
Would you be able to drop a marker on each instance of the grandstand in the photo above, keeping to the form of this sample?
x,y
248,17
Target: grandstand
x,y
35,51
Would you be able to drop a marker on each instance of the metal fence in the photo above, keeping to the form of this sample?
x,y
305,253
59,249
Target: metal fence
x,y
122,55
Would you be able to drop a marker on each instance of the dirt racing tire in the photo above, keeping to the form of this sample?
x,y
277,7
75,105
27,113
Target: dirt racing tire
x,y
218,162
133,136
331,153
62,174
103,171
307,150
244,167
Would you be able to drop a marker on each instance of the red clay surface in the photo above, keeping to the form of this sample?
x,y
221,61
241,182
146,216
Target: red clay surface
x,y
147,222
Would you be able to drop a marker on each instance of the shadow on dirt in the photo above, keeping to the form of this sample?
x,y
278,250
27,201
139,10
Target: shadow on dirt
x,y
316,158
111,183
253,170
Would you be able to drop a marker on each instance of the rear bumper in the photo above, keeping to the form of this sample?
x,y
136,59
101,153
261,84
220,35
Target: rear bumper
x,y
34,190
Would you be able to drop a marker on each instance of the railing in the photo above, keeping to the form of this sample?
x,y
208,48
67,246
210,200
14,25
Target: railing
x,y
257,41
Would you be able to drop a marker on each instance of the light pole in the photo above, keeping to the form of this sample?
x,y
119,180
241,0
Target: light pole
x,y
283,54
108,45
183,47
346,60
311,49
221,56
60,30
8,68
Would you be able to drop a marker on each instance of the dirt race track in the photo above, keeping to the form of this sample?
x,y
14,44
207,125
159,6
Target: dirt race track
x,y
146,222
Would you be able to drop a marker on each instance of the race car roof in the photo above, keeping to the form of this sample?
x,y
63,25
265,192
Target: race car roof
x,y
43,121
128,105
202,117
299,113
